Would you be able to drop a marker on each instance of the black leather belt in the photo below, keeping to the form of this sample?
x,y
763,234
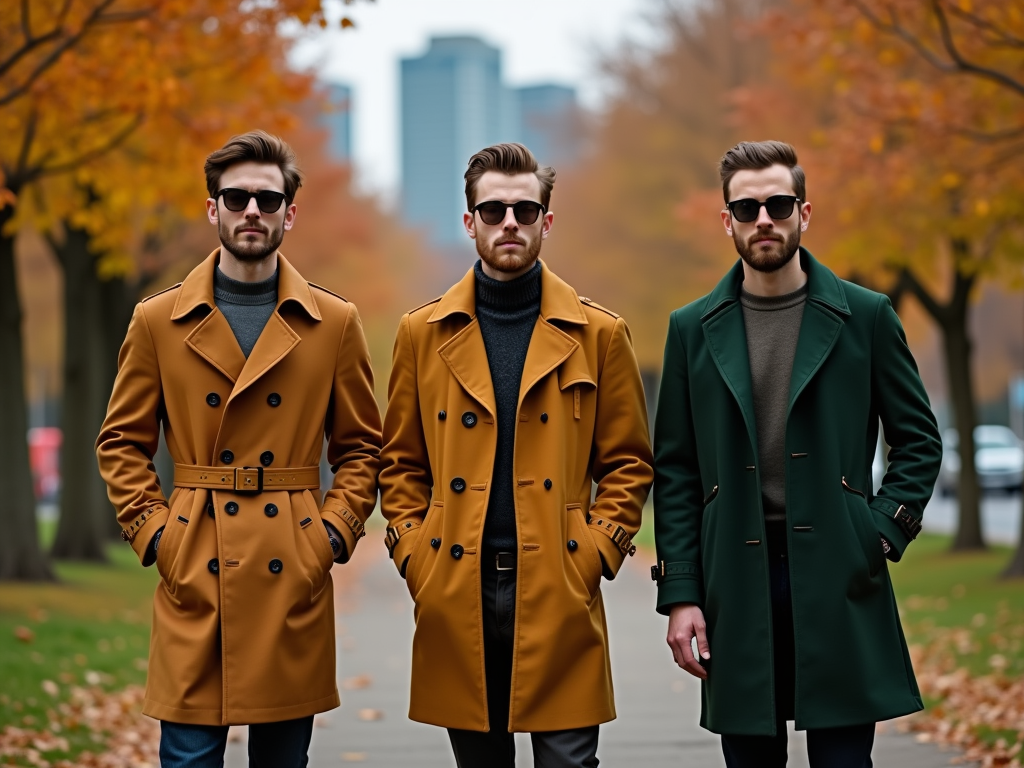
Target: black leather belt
x,y
505,561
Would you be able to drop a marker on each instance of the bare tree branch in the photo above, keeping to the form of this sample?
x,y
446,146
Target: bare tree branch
x,y
962,63
909,282
96,16
69,165
999,36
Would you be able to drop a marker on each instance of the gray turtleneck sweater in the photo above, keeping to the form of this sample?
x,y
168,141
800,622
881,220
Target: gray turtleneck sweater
x,y
246,306
773,327
507,312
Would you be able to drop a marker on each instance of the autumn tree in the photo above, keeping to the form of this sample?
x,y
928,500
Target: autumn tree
x,y
109,107
920,131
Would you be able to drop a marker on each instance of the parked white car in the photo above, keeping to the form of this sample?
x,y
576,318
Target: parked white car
x,y
998,458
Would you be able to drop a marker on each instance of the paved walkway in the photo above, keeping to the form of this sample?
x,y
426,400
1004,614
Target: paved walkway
x,y
658,704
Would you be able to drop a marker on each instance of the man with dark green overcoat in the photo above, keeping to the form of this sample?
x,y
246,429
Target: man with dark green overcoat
x,y
773,545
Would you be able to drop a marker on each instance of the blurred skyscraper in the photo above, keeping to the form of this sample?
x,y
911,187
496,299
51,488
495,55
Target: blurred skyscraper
x,y
549,123
453,104
338,121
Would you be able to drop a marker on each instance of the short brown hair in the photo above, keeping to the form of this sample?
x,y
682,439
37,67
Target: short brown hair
x,y
509,159
758,155
257,147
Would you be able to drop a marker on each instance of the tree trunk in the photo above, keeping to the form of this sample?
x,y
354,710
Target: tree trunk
x,y
952,321
85,513
20,554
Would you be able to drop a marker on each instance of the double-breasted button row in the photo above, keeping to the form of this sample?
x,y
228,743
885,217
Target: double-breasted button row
x,y
214,566
273,399
547,484
572,545
458,484
213,399
435,543
276,566
266,458
231,508
227,456
457,551
270,510
469,419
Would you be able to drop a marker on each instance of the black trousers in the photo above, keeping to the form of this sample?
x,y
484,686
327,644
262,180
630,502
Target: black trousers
x,y
848,747
575,748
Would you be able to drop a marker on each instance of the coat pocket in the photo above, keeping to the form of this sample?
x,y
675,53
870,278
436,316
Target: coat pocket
x,y
424,554
864,527
585,557
174,533
313,529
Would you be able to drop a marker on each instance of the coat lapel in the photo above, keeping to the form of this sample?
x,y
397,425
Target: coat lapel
x,y
822,323
466,357
214,341
278,338
726,337
549,348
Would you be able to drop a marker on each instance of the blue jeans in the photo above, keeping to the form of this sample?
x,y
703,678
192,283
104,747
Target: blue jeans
x,y
271,745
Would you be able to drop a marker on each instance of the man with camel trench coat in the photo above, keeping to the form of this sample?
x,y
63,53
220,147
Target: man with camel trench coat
x,y
576,415
243,617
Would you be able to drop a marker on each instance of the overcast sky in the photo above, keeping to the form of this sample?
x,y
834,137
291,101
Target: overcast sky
x,y
542,41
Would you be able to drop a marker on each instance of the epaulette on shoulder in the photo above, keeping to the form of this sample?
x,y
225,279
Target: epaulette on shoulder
x,y
595,305
165,290
425,304
327,290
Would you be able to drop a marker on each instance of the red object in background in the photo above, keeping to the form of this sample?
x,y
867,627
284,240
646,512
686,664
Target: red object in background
x,y
44,458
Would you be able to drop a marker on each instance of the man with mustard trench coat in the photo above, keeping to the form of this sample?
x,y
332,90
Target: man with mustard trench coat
x,y
247,367
509,396
772,542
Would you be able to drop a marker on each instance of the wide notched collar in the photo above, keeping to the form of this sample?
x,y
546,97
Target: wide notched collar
x,y
558,300
823,287
197,288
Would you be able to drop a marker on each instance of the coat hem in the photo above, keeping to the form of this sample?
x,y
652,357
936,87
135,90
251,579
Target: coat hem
x,y
583,721
160,711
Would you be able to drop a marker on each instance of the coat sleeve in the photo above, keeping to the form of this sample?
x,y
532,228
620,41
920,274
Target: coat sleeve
x,y
353,436
405,478
622,464
129,438
678,491
915,448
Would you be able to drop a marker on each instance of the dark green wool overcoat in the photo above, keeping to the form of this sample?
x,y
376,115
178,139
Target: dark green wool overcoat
x,y
852,368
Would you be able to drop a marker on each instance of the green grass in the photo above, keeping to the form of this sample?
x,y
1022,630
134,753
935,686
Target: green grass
x,y
89,628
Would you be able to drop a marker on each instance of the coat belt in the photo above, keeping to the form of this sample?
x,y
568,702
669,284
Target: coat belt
x,y
247,479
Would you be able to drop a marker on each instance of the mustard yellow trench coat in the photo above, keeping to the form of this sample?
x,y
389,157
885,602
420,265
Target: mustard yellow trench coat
x,y
581,418
243,617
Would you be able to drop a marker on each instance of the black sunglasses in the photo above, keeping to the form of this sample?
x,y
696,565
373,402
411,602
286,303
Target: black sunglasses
x,y
777,206
237,200
493,211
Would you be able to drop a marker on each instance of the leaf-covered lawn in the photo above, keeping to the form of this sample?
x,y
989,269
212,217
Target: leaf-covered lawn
x,y
72,658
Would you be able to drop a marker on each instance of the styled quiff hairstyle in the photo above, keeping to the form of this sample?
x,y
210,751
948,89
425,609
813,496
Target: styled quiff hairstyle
x,y
256,147
758,155
510,159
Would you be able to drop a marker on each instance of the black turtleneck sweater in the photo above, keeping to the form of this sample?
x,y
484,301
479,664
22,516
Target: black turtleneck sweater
x,y
507,312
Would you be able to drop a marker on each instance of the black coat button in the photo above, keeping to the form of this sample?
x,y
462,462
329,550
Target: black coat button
x,y
266,458
214,566
547,484
457,551
231,508
572,545
469,419
458,485
213,399
273,399
209,509
270,510
227,457
442,416
276,565
544,418
435,543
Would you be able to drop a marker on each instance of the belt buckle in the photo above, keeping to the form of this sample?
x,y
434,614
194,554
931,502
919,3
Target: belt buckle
x,y
498,565
248,479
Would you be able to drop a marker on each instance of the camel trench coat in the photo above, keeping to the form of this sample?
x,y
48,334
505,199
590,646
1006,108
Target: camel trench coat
x,y
243,617
581,418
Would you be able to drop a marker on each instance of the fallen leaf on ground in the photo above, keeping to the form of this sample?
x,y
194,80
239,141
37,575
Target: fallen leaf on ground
x,y
24,634
353,757
357,683
371,714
